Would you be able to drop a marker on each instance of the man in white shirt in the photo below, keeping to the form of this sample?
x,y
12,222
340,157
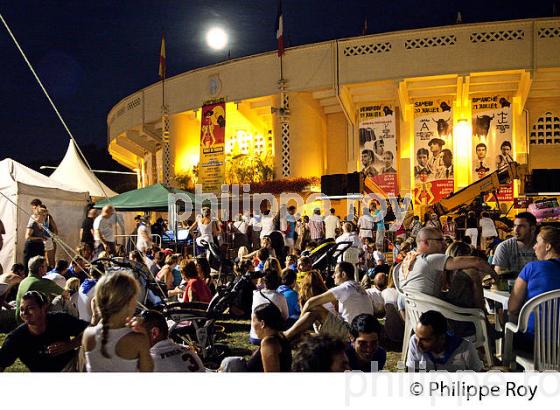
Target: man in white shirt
x,y
167,355
352,254
365,225
256,227
376,293
267,223
104,230
332,223
144,238
57,274
352,301
432,348
241,224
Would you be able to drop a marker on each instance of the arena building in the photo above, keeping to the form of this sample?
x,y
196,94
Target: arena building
x,y
434,97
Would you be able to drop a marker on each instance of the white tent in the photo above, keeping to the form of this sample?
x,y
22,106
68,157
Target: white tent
x,y
73,172
21,185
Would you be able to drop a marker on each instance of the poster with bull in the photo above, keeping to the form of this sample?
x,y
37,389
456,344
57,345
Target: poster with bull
x,y
378,148
212,142
433,150
492,139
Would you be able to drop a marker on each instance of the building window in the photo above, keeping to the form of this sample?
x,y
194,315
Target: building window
x,y
549,32
546,130
491,36
364,49
427,42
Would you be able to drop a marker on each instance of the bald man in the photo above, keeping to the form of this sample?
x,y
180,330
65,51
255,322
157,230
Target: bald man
x,y
104,230
423,271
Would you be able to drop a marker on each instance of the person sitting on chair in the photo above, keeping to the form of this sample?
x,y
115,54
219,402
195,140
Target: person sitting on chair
x,y
535,279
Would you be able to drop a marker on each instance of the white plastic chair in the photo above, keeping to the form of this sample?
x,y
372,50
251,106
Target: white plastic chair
x,y
546,351
418,303
408,326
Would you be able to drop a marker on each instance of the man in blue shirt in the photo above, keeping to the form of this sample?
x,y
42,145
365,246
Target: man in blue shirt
x,y
378,219
364,352
287,289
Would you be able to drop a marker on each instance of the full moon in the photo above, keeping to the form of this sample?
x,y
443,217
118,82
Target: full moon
x,y
216,38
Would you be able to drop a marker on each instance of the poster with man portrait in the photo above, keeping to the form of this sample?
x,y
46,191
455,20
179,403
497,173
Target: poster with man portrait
x,y
212,142
378,148
492,139
433,150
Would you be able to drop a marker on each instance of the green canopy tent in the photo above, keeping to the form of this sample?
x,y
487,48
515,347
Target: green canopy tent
x,y
150,198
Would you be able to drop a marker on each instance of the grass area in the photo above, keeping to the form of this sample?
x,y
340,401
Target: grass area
x,y
236,338
17,367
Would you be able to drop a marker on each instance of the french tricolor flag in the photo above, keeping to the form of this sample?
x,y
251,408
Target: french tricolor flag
x,y
280,29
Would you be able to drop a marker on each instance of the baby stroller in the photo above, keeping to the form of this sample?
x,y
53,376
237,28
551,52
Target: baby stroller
x,y
236,297
152,292
221,267
189,323
325,257
194,324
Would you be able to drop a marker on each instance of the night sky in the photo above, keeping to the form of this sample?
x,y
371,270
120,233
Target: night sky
x,y
91,54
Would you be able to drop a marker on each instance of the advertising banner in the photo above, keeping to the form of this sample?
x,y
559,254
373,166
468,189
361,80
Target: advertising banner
x,y
211,167
378,149
433,150
492,139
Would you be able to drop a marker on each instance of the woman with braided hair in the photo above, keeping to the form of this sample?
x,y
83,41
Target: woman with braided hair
x,y
111,346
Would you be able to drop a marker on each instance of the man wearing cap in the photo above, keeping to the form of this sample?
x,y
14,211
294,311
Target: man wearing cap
x,y
436,162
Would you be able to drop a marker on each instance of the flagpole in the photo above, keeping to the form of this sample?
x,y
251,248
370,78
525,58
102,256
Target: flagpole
x,y
166,155
281,68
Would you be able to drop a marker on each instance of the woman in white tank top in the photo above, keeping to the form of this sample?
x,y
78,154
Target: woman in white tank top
x,y
111,346
205,226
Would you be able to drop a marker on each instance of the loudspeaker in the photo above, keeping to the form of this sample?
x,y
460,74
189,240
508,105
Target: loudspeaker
x,y
545,180
354,183
341,184
334,184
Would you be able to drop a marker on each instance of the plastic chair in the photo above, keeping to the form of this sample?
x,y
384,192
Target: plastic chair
x,y
408,325
418,303
546,351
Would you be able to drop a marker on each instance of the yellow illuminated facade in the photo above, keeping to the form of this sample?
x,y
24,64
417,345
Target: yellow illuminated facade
x,y
316,132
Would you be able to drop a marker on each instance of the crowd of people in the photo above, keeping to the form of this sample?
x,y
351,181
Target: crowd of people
x,y
64,315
